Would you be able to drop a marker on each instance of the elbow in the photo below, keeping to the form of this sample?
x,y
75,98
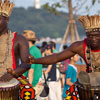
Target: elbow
x,y
67,82
25,65
28,66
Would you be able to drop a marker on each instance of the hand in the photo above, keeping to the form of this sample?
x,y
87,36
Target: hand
x,y
11,71
6,77
31,60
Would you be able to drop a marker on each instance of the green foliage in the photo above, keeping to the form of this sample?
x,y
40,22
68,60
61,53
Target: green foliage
x,y
93,2
58,5
98,1
41,21
52,8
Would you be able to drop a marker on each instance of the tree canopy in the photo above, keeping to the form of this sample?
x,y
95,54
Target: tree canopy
x,y
40,21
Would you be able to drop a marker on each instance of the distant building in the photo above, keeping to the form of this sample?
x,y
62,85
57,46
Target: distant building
x,y
37,4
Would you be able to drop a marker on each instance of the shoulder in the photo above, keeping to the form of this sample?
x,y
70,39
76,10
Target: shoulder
x,y
69,67
76,46
35,49
77,43
38,49
72,68
21,40
20,37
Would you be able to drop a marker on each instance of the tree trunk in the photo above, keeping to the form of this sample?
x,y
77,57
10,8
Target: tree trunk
x,y
71,21
70,10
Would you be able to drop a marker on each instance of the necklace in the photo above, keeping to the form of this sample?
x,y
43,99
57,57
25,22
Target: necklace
x,y
6,51
93,59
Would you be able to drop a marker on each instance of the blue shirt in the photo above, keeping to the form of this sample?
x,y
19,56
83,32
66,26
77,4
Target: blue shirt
x,y
71,72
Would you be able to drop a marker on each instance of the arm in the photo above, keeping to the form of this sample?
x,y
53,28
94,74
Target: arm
x,y
19,70
21,50
48,70
67,53
69,76
68,82
31,75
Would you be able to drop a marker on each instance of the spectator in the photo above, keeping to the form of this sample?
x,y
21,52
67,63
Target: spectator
x,y
53,46
64,65
71,75
54,82
35,72
44,44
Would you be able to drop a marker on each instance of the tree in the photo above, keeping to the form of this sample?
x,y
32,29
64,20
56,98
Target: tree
x,y
77,6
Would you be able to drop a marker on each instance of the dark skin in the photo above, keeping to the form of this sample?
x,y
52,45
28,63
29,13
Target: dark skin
x,y
21,51
93,39
75,48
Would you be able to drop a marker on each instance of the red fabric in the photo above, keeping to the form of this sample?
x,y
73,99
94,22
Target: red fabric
x,y
85,45
74,98
72,88
26,90
66,62
13,57
29,90
73,92
23,77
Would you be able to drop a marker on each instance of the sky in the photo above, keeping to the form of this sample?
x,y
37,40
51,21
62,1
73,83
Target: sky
x,y
30,3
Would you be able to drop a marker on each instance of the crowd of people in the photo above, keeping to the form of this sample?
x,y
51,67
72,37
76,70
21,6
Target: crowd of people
x,y
60,76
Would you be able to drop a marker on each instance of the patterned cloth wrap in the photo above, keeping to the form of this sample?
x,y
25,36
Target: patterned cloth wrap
x,y
26,90
72,93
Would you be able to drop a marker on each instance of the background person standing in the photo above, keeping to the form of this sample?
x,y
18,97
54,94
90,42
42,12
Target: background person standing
x,y
35,72
53,78
71,76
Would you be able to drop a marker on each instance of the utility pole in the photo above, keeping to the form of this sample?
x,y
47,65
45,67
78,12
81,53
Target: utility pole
x,y
71,28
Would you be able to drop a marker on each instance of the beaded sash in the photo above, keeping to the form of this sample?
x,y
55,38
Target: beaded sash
x,y
93,59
